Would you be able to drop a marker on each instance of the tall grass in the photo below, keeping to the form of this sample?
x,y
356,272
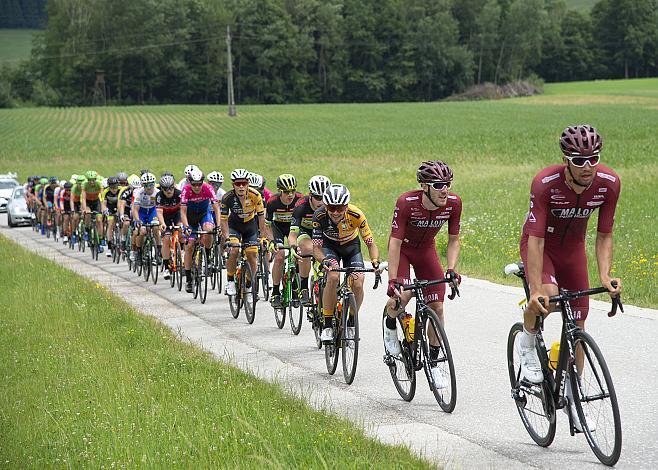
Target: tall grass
x,y
89,383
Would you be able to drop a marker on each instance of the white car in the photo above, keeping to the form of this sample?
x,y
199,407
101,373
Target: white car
x,y
17,212
7,185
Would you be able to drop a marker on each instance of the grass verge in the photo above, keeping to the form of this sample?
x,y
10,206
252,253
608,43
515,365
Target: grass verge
x,y
88,382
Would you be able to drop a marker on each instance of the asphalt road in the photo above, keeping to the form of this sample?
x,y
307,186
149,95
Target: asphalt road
x,y
483,431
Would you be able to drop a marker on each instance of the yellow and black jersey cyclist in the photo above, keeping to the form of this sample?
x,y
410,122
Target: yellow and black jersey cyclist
x,y
90,201
109,206
336,229
242,215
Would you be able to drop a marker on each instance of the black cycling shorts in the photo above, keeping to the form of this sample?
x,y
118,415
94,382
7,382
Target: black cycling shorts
x,y
349,254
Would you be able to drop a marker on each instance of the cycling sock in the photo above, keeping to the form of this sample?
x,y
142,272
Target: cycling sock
x,y
275,290
527,339
327,313
327,322
304,282
230,277
188,276
390,323
166,263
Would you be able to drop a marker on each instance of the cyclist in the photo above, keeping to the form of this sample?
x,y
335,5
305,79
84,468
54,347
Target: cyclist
x,y
185,181
38,191
301,229
418,216
216,179
109,206
122,176
90,202
144,212
242,216
75,204
562,198
336,229
257,182
65,209
197,199
125,210
48,201
167,204
278,216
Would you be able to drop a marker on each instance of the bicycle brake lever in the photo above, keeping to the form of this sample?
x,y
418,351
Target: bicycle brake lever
x,y
616,302
378,279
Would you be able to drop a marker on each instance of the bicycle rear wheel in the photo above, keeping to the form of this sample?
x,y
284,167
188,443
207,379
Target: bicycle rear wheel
x,y
401,367
249,293
146,259
195,271
596,402
331,353
296,309
350,341
180,270
203,273
534,402
280,316
446,395
214,256
265,275
220,269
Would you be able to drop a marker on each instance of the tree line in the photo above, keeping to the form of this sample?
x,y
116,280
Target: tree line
x,y
22,13
298,51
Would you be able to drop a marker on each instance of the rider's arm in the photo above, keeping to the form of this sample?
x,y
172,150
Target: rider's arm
x,y
533,269
183,216
318,253
135,211
394,246
83,200
604,260
159,211
218,213
121,208
452,252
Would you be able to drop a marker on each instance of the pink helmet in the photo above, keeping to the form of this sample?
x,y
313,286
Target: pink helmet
x,y
433,170
580,141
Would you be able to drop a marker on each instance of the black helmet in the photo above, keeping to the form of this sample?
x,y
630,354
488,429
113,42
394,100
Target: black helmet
x,y
52,179
68,185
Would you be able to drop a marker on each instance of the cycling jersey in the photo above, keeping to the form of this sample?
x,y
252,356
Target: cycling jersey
x,y
126,195
92,190
302,217
198,202
76,192
417,226
279,216
233,210
49,191
353,223
111,199
144,200
65,199
170,206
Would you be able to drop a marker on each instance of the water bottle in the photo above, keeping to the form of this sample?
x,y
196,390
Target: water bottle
x,y
553,355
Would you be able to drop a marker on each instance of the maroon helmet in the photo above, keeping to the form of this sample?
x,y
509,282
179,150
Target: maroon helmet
x,y
580,141
433,170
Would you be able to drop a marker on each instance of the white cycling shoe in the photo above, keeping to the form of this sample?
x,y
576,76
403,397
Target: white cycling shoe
x,y
230,288
440,378
530,365
327,335
391,342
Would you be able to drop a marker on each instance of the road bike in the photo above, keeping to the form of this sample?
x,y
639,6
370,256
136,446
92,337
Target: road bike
x,y
317,281
345,325
93,236
246,295
216,263
592,390
176,270
151,256
200,268
290,292
262,284
416,335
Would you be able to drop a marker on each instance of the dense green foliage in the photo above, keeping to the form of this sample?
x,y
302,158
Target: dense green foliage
x,y
89,383
494,148
285,51
22,13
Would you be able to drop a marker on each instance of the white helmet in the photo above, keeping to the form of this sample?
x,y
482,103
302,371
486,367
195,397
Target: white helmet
x,y
104,183
318,185
215,177
240,174
336,195
255,180
62,183
148,178
189,169
134,181
196,175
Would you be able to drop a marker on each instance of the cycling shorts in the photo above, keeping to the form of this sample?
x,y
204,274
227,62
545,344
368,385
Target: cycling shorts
x,y
349,253
568,272
147,215
278,234
198,219
171,220
244,232
77,206
94,206
427,266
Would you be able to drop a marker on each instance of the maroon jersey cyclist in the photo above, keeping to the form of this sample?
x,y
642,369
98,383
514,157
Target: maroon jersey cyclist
x,y
562,198
418,217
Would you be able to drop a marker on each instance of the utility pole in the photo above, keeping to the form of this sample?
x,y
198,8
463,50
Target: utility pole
x,y
231,97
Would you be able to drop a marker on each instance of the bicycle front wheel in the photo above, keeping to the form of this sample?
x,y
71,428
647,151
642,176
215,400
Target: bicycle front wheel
x,y
438,364
331,356
203,274
296,309
596,401
534,402
180,270
401,367
350,341
248,292
265,276
155,263
146,259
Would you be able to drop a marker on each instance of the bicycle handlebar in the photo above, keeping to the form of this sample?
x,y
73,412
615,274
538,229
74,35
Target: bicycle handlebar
x,y
422,283
566,295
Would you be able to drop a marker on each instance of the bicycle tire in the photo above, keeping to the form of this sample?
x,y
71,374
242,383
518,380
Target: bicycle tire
x,y
539,418
249,298
280,316
595,373
265,276
349,342
146,259
155,263
203,275
180,270
93,241
213,257
220,271
402,370
235,301
446,397
331,353
195,272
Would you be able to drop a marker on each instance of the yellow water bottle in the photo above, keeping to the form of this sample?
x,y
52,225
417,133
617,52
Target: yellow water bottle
x,y
553,355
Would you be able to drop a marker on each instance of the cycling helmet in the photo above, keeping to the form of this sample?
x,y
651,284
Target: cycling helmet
x,y
53,179
104,183
62,183
433,170
337,195
68,185
91,175
196,176
80,179
255,180
167,173
167,181
239,174
43,181
122,176
215,177
580,141
74,177
134,181
188,169
148,178
112,181
318,185
286,182
143,171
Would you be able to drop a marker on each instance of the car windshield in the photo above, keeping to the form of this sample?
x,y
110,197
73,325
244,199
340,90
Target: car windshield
x,y
19,193
7,184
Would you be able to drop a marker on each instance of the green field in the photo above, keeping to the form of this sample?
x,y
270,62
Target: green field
x,y
494,147
15,45
87,382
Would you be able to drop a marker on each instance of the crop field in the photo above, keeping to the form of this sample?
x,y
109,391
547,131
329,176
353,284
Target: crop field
x,y
494,147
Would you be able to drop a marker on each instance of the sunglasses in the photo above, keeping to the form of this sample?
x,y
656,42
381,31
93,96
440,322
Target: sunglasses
x,y
171,188
336,208
581,161
240,183
196,185
317,198
114,186
149,185
440,185
289,192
